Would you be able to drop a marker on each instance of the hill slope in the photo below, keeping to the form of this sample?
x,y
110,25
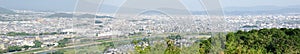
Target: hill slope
x,y
6,11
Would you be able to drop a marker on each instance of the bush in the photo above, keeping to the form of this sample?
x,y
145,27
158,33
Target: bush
x,y
14,48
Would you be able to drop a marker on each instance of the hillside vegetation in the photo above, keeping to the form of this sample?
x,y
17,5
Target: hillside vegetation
x,y
264,41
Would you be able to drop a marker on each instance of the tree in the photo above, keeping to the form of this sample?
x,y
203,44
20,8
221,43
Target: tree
x,y
142,49
263,41
62,43
37,44
174,37
1,51
171,48
97,34
14,48
19,34
178,37
205,46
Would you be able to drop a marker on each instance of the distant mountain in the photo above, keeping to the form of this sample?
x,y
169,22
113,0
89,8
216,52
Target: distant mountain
x,y
262,12
258,10
63,15
104,17
92,16
255,8
6,11
1,18
175,11
66,15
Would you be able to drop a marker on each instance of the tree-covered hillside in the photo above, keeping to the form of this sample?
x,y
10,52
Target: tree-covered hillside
x,y
263,41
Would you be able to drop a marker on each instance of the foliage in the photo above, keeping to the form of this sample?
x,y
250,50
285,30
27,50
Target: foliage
x,y
19,34
51,33
97,34
263,41
37,44
31,34
62,43
171,48
158,47
2,51
174,37
14,48
204,46
142,48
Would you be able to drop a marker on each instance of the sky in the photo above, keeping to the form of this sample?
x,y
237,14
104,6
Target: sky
x,y
251,3
67,5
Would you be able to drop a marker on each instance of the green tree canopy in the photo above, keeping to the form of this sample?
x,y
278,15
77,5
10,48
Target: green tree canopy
x,y
37,44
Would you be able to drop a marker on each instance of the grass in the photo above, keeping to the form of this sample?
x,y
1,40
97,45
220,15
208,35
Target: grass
x,y
29,52
97,49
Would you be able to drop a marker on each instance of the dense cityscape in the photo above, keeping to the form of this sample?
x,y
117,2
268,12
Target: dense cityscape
x,y
25,29
66,32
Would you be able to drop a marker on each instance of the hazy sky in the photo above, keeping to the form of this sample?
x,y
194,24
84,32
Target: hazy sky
x,y
62,5
247,3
